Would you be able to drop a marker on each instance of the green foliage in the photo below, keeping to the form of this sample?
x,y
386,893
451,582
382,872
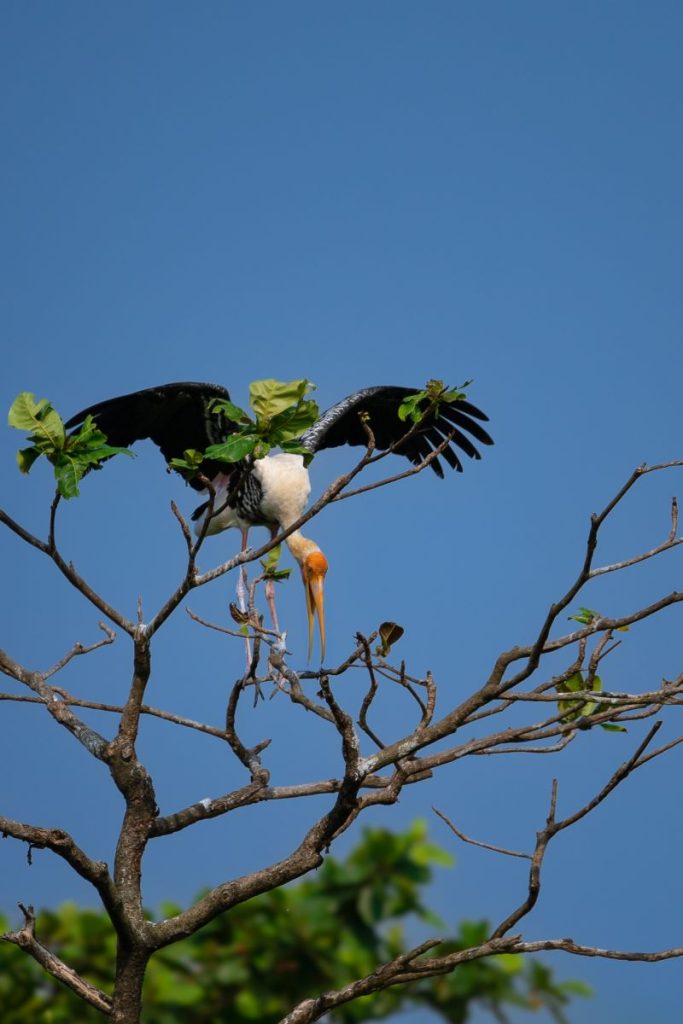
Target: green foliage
x,y
578,708
282,412
582,708
191,460
255,963
71,455
270,569
587,616
416,407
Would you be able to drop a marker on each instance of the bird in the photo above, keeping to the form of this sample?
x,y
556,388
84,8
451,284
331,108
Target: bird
x,y
274,491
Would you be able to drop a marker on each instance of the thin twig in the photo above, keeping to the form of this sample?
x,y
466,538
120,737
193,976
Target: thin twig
x,y
26,940
476,842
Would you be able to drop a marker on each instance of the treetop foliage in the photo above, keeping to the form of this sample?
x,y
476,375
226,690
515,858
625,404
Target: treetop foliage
x,y
257,962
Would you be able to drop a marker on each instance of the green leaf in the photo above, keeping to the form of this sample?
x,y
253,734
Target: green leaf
x,y
576,709
290,424
269,564
68,473
272,558
88,432
38,417
70,456
270,397
612,727
261,449
229,410
512,963
294,448
95,455
456,394
575,988
430,853
26,457
410,407
585,616
416,407
192,460
279,575
237,447
575,682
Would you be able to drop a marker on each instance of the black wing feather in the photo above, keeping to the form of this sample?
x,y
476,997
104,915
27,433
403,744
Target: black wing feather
x,y
438,437
174,416
456,417
177,417
341,425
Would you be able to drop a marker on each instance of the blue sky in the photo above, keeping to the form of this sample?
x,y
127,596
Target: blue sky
x,y
359,194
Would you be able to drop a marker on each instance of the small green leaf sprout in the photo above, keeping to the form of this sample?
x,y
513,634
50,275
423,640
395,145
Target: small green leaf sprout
x,y
588,617
270,569
416,407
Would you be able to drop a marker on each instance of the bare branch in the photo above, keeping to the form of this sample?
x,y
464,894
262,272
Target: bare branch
x,y
249,756
370,695
476,842
60,711
553,826
79,648
68,571
26,940
64,846
417,468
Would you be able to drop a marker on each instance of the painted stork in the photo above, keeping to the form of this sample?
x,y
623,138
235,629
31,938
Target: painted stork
x,y
273,491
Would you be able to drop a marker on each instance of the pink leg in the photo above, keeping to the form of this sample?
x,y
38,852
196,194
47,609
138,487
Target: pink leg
x,y
270,597
242,593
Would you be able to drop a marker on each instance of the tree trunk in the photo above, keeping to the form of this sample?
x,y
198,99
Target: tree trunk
x,y
131,963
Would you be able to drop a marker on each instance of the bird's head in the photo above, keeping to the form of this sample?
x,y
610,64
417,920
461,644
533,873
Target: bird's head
x,y
313,565
313,569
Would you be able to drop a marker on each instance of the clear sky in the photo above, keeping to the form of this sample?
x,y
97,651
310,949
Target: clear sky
x,y
359,193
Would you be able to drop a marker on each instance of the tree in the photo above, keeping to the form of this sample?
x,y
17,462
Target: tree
x,y
269,953
374,768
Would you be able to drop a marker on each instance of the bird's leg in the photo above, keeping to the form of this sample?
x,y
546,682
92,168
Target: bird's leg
x,y
243,593
270,598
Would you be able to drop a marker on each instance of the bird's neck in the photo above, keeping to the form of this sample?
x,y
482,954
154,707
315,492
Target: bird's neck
x,y
300,546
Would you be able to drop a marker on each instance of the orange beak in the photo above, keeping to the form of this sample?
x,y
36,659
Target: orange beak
x,y
313,571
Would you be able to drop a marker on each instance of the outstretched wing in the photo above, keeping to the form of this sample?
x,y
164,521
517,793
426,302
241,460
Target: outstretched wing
x,y
174,416
342,425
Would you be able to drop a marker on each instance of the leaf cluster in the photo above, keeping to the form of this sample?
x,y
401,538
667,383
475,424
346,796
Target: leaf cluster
x,y
588,617
270,563
282,412
416,407
581,708
253,965
71,455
